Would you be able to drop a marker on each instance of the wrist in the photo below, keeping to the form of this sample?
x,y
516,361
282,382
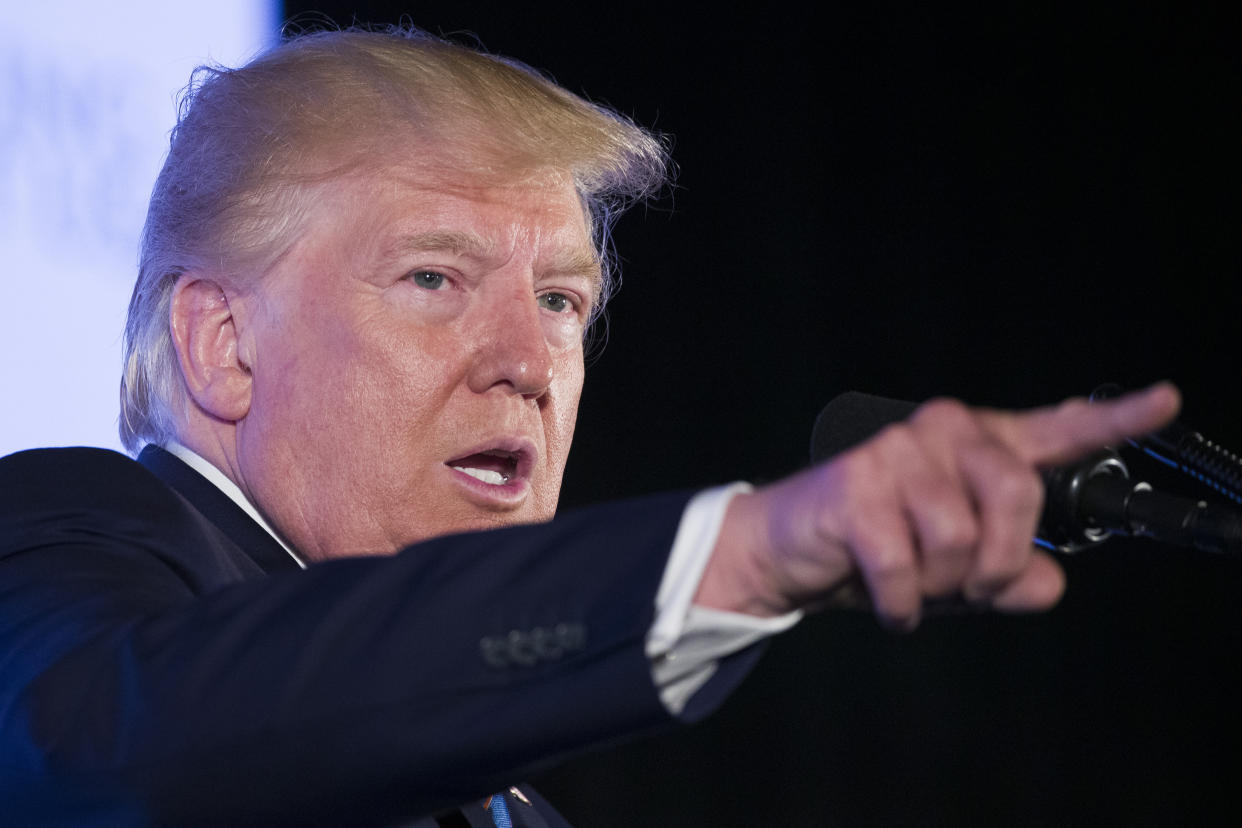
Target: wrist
x,y
739,576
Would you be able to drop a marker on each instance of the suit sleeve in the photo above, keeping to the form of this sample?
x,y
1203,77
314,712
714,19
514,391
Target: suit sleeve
x,y
135,690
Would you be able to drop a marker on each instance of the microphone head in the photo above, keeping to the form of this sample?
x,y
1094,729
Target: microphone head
x,y
852,418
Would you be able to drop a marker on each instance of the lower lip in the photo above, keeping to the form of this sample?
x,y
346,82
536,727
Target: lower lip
x,y
508,495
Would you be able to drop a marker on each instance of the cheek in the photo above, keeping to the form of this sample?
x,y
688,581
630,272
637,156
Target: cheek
x,y
561,411
340,380
563,332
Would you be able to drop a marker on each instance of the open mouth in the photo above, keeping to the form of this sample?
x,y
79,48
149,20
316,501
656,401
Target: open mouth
x,y
495,466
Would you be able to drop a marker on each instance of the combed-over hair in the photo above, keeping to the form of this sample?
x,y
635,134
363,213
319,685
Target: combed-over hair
x,y
250,142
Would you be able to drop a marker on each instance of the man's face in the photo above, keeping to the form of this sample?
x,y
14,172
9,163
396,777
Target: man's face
x,y
417,361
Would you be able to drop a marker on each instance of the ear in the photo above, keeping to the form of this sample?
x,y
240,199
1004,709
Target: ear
x,y
205,334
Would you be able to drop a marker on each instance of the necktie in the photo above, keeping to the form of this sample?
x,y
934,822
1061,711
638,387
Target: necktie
x,y
499,810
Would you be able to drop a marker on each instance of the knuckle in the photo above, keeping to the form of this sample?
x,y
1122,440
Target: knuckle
x,y
825,529
945,522
943,513
1074,407
882,561
944,412
952,534
1018,490
946,561
872,464
859,477
866,461
896,436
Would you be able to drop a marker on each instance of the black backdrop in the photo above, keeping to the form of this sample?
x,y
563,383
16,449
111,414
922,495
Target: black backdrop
x,y
1009,205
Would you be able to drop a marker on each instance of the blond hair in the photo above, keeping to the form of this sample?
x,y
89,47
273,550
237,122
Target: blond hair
x,y
249,143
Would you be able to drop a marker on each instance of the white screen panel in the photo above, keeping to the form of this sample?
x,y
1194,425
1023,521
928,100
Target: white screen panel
x,y
87,98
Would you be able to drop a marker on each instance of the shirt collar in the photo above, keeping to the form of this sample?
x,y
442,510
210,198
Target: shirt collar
x,y
218,479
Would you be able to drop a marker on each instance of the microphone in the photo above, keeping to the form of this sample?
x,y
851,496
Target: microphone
x,y
1188,451
1085,503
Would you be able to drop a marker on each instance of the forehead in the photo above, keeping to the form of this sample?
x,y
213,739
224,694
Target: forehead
x,y
476,214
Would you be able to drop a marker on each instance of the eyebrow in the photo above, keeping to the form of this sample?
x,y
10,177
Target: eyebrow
x,y
578,262
458,242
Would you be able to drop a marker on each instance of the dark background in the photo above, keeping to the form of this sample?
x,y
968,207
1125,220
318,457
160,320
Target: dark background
x,y
1009,205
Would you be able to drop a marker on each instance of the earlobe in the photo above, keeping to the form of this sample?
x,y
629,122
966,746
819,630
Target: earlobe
x,y
206,336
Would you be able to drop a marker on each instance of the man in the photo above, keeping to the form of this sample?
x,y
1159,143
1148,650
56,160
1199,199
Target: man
x,y
356,337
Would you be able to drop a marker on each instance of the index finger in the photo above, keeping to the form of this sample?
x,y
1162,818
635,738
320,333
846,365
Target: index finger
x,y
1061,433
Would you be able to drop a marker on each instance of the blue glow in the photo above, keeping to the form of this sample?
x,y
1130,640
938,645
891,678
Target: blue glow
x,y
87,98
1161,458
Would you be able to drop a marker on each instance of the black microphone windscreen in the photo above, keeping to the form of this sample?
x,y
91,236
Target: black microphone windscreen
x,y
852,418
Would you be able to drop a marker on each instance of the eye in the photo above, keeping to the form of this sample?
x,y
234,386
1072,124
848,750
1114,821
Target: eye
x,y
555,302
427,279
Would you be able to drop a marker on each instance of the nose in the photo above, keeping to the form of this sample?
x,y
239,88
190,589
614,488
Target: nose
x,y
512,348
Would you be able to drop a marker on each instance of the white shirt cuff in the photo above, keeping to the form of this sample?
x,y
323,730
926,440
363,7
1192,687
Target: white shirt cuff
x,y
686,642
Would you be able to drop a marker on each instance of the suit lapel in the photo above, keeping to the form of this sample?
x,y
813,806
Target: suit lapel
x,y
218,508
271,557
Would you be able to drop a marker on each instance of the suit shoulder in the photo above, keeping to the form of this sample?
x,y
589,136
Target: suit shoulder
x,y
73,457
84,475
98,508
51,497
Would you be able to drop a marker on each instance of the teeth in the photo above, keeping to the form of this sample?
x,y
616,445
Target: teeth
x,y
486,475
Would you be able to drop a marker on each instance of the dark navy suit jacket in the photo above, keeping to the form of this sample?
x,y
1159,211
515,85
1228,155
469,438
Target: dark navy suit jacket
x,y
163,661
